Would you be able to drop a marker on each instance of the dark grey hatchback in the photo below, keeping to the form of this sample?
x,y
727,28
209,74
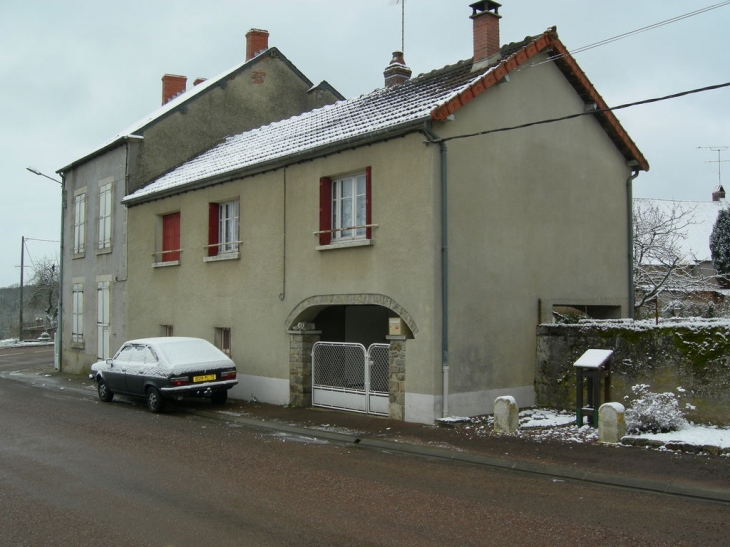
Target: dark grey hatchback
x,y
166,368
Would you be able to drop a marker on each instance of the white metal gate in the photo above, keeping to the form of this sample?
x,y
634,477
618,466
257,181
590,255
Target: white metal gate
x,y
350,377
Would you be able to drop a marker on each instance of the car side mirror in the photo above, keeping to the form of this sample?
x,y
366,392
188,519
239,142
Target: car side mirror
x,y
110,362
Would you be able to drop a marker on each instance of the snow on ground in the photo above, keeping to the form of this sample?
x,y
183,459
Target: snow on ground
x,y
14,343
541,424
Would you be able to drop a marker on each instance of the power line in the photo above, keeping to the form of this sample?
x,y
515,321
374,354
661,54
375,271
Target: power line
x,y
629,34
650,27
587,113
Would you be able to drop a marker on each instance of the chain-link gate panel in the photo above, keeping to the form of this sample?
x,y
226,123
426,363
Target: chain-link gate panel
x,y
379,355
348,377
338,365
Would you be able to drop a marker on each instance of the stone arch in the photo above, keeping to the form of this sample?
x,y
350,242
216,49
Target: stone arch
x,y
305,312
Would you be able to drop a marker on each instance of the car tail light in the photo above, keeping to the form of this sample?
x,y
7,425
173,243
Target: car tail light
x,y
180,381
228,374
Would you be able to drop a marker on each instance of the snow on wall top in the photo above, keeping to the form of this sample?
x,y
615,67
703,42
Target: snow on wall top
x,y
702,216
381,110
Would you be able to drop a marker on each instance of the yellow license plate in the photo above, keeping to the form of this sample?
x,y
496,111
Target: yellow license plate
x,y
206,378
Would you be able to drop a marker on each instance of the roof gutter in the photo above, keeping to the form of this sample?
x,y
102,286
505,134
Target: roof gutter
x,y
435,139
277,163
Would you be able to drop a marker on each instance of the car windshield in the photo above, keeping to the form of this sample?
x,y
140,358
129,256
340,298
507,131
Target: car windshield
x,y
186,352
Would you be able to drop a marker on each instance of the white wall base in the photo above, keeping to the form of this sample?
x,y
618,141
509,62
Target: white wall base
x,y
274,391
426,409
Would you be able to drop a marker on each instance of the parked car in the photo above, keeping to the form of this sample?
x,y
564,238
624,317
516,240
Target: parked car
x,y
166,368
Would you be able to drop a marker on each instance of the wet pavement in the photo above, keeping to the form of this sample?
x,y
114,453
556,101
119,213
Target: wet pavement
x,y
674,472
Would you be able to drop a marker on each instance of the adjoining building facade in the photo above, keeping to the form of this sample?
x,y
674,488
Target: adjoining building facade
x,y
266,87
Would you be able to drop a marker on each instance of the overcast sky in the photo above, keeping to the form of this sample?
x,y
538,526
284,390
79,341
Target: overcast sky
x,y
74,73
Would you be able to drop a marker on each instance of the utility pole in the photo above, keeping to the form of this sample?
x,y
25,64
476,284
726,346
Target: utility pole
x,y
718,161
22,265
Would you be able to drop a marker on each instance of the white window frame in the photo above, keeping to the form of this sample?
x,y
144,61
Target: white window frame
x,y
349,209
105,215
103,319
77,325
228,223
79,243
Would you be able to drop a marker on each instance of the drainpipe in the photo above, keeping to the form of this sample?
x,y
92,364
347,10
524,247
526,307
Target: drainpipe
x,y
433,138
630,222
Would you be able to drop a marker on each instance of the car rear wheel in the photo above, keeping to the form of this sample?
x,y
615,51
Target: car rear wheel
x,y
219,397
155,402
105,394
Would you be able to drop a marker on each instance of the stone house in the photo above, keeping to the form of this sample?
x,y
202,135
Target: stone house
x,y
394,253
266,87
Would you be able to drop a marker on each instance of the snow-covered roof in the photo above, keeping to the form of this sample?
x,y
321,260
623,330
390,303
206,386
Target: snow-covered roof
x,y
701,217
382,110
135,130
382,113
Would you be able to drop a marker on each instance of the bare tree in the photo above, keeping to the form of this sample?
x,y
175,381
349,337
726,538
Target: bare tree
x,y
45,288
660,262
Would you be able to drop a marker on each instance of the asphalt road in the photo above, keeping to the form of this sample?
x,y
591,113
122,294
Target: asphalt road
x,y
74,471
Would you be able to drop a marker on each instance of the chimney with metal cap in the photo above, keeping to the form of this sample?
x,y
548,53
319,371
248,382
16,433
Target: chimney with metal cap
x,y
172,86
257,41
486,18
396,72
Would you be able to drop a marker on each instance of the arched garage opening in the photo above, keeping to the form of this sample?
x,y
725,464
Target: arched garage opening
x,y
348,352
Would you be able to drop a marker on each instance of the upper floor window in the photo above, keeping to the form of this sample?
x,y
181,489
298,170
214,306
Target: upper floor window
x,y
345,208
79,223
171,237
223,224
105,216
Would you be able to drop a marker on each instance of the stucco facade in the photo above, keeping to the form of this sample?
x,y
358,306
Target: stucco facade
x,y
535,217
264,89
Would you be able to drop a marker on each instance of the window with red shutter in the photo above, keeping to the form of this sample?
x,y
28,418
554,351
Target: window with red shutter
x,y
171,237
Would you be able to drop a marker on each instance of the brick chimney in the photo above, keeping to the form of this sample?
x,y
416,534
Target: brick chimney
x,y
486,29
199,81
396,72
257,41
172,86
719,194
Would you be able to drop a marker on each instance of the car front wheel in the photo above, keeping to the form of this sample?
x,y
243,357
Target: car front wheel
x,y
155,402
105,394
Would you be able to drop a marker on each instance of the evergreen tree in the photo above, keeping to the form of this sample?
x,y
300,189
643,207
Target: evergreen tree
x,y
720,243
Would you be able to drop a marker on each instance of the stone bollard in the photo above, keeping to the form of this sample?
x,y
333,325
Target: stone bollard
x,y
506,415
611,423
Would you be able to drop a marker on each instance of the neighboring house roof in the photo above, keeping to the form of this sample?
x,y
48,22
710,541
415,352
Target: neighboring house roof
x,y
136,129
382,113
701,217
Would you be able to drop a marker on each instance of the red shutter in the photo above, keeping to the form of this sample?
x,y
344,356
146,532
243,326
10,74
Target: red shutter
x,y
213,229
368,204
171,237
325,210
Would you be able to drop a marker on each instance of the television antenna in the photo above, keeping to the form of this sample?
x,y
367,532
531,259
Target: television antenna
x,y
402,23
719,161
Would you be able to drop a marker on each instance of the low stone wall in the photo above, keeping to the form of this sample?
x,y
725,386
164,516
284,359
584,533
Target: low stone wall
x,y
692,355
